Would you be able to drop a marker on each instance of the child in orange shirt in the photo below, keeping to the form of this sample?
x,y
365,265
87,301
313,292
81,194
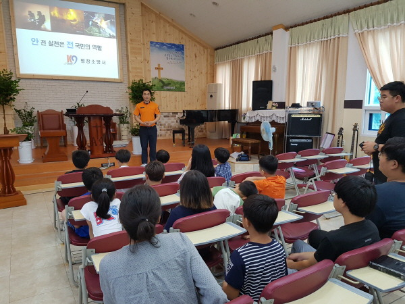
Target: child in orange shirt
x,y
270,184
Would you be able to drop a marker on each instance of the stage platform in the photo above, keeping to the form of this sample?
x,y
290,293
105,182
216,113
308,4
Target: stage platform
x,y
40,177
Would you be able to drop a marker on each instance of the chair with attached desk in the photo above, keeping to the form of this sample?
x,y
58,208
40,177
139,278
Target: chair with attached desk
x,y
352,267
127,171
312,285
331,150
215,181
63,190
326,180
285,165
170,167
399,236
212,256
308,168
238,178
363,162
299,230
89,280
71,238
165,190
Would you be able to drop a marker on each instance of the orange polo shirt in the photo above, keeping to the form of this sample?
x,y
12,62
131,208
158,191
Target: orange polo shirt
x,y
273,186
147,111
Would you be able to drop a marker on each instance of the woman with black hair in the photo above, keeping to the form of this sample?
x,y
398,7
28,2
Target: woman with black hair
x,y
164,268
195,197
101,214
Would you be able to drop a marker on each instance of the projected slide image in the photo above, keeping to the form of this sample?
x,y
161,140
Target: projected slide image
x,y
67,20
32,16
100,25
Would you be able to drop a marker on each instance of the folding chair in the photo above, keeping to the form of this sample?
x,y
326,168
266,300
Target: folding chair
x,y
285,165
89,281
63,189
212,256
133,174
71,238
238,178
358,259
312,285
216,181
170,167
299,230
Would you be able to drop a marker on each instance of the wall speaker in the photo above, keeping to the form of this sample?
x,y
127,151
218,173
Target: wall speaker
x,y
262,93
304,124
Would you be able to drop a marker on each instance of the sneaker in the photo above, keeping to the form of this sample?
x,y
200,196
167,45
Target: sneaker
x,y
143,165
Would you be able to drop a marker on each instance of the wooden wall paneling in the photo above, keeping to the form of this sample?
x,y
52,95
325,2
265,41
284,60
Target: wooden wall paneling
x,y
198,71
3,49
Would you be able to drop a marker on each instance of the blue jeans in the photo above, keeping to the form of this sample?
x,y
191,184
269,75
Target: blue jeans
x,y
148,135
300,246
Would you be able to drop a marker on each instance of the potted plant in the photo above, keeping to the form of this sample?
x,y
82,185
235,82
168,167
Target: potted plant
x,y
124,122
28,120
9,89
136,89
136,140
25,147
75,130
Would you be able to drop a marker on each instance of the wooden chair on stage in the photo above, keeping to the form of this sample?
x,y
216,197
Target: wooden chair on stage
x,y
52,127
51,120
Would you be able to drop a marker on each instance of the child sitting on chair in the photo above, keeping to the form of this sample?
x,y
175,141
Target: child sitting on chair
x,y
163,156
101,214
355,198
223,168
262,260
123,156
154,173
230,199
270,184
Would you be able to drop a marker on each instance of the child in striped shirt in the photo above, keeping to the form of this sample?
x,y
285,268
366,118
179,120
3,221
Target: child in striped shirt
x,y
260,261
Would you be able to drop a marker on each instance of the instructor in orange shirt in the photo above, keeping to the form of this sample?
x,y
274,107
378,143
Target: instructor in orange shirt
x,y
147,114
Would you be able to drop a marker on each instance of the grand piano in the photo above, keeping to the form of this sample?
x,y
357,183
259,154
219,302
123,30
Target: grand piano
x,y
194,118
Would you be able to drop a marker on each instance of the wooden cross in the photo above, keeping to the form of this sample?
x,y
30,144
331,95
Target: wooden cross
x,y
159,69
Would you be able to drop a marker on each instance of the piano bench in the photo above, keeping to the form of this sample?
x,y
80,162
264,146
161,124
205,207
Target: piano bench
x,y
183,136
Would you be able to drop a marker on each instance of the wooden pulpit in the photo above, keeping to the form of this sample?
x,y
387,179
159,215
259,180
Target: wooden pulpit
x,y
99,118
9,196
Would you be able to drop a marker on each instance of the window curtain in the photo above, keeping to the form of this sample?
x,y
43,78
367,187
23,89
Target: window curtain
x,y
317,67
237,66
380,30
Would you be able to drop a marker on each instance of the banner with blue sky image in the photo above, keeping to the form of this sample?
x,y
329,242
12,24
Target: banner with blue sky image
x,y
167,66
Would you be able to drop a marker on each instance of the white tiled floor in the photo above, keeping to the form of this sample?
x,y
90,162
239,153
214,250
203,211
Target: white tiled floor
x,y
32,265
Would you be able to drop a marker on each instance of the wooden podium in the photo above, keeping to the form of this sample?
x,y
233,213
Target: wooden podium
x,y
53,152
9,196
100,144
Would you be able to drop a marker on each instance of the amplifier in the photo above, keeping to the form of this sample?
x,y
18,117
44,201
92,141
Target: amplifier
x,y
299,144
305,124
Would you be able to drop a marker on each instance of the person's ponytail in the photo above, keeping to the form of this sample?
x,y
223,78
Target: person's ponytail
x,y
103,192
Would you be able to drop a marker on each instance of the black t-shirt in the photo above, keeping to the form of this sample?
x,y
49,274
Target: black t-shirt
x,y
394,126
346,238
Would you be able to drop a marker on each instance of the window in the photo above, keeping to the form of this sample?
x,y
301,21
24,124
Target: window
x,y
372,115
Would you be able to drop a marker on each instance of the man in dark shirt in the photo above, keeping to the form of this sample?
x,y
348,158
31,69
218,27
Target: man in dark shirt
x,y
355,198
389,213
392,101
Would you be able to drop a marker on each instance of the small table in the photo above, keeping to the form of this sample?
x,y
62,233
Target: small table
x,y
247,142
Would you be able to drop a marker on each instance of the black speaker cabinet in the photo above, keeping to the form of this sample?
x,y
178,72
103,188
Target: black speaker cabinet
x,y
305,124
262,93
298,144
